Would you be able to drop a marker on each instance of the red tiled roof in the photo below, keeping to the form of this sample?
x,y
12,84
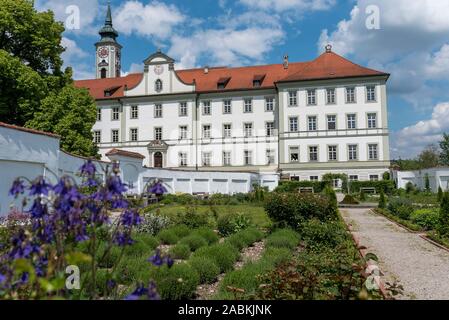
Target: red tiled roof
x,y
119,152
43,133
329,65
97,87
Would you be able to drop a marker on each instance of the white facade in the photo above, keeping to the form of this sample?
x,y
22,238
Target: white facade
x,y
438,177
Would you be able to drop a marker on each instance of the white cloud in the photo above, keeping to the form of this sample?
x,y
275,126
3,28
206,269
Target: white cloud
x,y
155,19
75,57
289,5
413,139
225,46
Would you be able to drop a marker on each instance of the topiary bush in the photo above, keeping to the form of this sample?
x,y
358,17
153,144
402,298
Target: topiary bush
x,y
401,207
176,283
207,234
168,236
443,219
382,200
194,242
285,238
180,251
223,254
206,268
425,218
349,199
293,209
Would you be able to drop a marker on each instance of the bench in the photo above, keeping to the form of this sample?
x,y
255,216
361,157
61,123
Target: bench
x,y
201,195
369,190
306,190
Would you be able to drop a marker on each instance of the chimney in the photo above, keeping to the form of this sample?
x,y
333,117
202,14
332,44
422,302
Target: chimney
x,y
328,48
286,61
206,69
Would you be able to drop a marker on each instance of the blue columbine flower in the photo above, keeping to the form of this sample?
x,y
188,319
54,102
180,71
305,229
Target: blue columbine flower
x,y
39,187
88,168
131,218
17,188
157,259
141,292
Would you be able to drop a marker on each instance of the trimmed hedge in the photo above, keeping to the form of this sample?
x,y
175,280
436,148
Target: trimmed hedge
x,y
223,254
180,251
284,238
293,186
194,242
206,268
387,186
175,283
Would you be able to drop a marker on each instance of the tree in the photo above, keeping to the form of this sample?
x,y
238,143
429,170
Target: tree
x,y
443,220
444,146
382,200
440,194
386,176
427,183
70,113
429,157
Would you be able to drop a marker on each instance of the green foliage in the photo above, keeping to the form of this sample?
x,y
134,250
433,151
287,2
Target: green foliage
x,y
176,283
427,183
180,251
207,234
386,185
332,197
443,225
144,245
440,195
293,209
425,218
429,157
318,235
382,200
410,187
244,238
206,268
180,230
107,259
168,236
284,238
153,223
349,199
224,255
133,269
194,242
192,218
293,186
444,146
183,199
233,222
386,176
401,207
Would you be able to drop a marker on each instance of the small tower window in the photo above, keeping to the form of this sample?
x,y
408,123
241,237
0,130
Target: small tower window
x,y
103,73
158,85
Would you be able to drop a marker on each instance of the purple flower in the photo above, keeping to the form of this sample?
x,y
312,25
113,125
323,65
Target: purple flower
x,y
39,187
123,239
169,261
157,188
17,188
130,218
37,209
88,168
141,293
115,185
157,259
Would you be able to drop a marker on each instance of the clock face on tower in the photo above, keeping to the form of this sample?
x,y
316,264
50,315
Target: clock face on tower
x,y
158,69
103,52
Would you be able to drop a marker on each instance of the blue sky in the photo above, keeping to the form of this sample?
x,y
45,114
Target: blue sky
x,y
411,43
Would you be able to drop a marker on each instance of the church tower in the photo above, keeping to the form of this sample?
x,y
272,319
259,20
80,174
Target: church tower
x,y
108,54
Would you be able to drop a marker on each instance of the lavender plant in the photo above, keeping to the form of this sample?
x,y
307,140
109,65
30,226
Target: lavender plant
x,y
61,219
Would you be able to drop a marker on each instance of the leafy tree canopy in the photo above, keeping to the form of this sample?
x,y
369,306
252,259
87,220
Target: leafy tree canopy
x,y
444,146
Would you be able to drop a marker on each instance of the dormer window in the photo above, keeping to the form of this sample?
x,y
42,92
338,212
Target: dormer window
x,y
158,85
222,83
108,92
257,80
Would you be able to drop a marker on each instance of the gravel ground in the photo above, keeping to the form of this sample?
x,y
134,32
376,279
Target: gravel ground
x,y
419,266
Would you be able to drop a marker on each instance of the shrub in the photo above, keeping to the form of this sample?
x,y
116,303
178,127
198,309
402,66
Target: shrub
x,y
329,192
134,269
194,242
410,187
425,218
110,258
386,176
176,283
206,268
440,194
362,195
386,185
207,234
236,241
143,245
382,200
180,251
284,238
193,219
168,236
251,235
182,199
153,223
443,219
292,209
224,255
293,186
317,234
401,207
233,222
349,200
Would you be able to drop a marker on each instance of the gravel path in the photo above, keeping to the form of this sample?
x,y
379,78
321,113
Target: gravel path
x,y
419,266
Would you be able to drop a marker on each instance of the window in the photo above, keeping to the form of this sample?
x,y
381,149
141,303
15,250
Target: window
x,y
352,152
248,130
158,85
293,98
269,104
158,111
182,132
248,106
371,93
293,124
332,153
206,108
330,96
182,159
314,178
294,178
374,177
372,152
270,156
226,158
115,113
206,131
206,159
183,109
227,130
97,137
103,73
248,158
372,120
350,95
133,134
313,153
98,114
115,136
311,97
269,129
227,107
294,154
332,122
353,178
134,112
158,134
312,123
352,121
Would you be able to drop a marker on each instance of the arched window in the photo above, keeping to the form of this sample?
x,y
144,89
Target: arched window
x,y
103,73
158,85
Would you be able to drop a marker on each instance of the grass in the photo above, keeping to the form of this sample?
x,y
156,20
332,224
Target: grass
x,y
257,213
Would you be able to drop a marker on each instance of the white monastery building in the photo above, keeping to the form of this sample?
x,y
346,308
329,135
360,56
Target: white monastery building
x,y
298,119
